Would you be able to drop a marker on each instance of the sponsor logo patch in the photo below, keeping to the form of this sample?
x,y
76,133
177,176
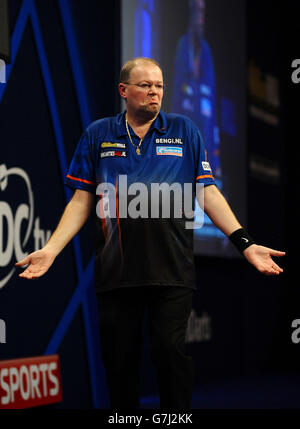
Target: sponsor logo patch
x,y
110,144
169,150
206,166
169,141
30,382
121,153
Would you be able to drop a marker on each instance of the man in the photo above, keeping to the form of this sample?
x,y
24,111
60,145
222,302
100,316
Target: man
x,y
143,261
194,83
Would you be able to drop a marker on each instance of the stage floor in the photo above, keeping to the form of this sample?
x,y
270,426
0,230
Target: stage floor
x,y
271,391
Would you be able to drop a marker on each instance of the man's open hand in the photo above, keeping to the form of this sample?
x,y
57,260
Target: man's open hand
x,y
261,258
39,262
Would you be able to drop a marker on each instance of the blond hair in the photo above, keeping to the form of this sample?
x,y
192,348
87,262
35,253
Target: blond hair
x,y
129,65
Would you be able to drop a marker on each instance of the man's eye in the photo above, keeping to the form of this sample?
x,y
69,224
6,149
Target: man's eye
x,y
145,85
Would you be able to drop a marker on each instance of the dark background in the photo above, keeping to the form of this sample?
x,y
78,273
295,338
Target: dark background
x,y
251,314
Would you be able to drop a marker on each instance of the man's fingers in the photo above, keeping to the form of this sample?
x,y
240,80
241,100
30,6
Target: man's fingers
x,y
269,268
27,273
271,272
29,276
23,263
32,274
276,252
274,269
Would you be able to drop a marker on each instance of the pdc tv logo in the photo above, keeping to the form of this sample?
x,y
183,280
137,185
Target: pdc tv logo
x,y
18,223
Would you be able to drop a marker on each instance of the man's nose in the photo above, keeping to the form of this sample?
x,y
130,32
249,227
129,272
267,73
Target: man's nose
x,y
153,89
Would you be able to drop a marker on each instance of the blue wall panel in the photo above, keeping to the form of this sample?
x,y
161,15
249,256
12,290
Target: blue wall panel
x,y
45,105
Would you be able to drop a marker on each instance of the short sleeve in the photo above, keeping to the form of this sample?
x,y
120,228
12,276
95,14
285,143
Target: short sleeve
x,y
204,172
81,173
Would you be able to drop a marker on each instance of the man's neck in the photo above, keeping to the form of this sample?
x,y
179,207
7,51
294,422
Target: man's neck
x,y
140,124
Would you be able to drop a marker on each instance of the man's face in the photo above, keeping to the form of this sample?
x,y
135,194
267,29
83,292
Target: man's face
x,y
142,100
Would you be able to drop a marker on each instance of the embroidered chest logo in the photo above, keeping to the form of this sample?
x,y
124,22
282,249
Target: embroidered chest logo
x,y
169,141
110,144
169,150
120,153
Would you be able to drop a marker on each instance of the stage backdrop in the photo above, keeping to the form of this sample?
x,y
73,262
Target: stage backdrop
x,y
60,78
63,72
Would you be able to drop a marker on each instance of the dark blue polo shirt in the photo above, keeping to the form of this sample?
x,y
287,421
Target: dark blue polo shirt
x,y
136,245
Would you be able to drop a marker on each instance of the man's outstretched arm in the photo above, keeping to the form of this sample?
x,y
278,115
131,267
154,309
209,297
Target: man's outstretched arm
x,y
219,211
74,216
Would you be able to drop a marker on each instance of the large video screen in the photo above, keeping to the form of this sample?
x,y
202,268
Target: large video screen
x,y
201,47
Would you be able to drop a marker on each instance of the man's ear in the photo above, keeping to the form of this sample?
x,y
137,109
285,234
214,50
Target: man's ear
x,y
122,90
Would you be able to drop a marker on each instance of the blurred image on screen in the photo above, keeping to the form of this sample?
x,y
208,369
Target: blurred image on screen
x,y
200,45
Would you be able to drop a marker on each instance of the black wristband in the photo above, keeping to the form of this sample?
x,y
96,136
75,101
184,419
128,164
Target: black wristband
x,y
241,239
